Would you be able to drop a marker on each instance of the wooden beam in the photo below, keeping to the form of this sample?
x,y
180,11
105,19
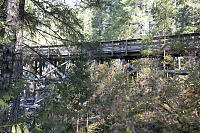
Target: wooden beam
x,y
175,71
131,40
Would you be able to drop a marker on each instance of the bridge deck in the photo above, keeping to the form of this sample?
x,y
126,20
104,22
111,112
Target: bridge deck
x,y
133,48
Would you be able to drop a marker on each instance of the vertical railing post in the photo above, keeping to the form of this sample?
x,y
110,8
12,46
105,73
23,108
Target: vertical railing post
x,y
126,47
112,48
48,51
160,43
98,50
58,50
38,49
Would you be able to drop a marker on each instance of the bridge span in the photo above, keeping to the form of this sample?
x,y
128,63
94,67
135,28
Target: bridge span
x,y
131,48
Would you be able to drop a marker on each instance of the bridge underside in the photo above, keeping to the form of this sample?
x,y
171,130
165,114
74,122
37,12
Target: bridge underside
x,y
39,57
157,54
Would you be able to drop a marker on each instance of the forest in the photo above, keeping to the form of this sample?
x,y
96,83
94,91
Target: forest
x,y
99,66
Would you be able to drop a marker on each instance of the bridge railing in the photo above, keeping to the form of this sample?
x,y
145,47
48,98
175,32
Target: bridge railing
x,y
128,47
173,42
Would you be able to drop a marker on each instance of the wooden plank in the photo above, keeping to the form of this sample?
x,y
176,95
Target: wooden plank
x,y
175,71
122,49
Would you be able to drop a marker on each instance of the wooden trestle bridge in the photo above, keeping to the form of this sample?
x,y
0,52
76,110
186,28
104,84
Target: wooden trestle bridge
x,y
58,55
128,49
41,62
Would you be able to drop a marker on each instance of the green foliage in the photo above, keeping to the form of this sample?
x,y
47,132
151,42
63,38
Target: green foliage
x,y
2,26
101,95
179,46
7,97
18,128
25,129
37,130
7,40
168,58
129,19
148,53
3,104
13,129
105,22
2,21
146,40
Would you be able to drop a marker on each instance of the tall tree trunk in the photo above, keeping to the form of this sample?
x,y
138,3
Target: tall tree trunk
x,y
9,47
12,52
12,13
18,67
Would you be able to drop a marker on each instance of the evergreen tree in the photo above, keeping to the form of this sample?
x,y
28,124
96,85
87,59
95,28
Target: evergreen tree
x,y
22,23
98,97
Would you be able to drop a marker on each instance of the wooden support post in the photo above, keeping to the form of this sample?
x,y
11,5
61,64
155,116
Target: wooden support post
x,y
101,61
48,52
35,68
30,68
160,44
55,62
179,63
39,49
40,67
164,66
63,67
43,66
112,48
34,93
77,125
87,121
98,49
58,52
126,47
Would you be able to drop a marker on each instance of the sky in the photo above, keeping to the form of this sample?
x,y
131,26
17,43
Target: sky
x,y
72,3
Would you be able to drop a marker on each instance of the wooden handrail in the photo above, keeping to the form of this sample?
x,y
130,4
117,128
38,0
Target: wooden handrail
x,y
154,38
130,40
